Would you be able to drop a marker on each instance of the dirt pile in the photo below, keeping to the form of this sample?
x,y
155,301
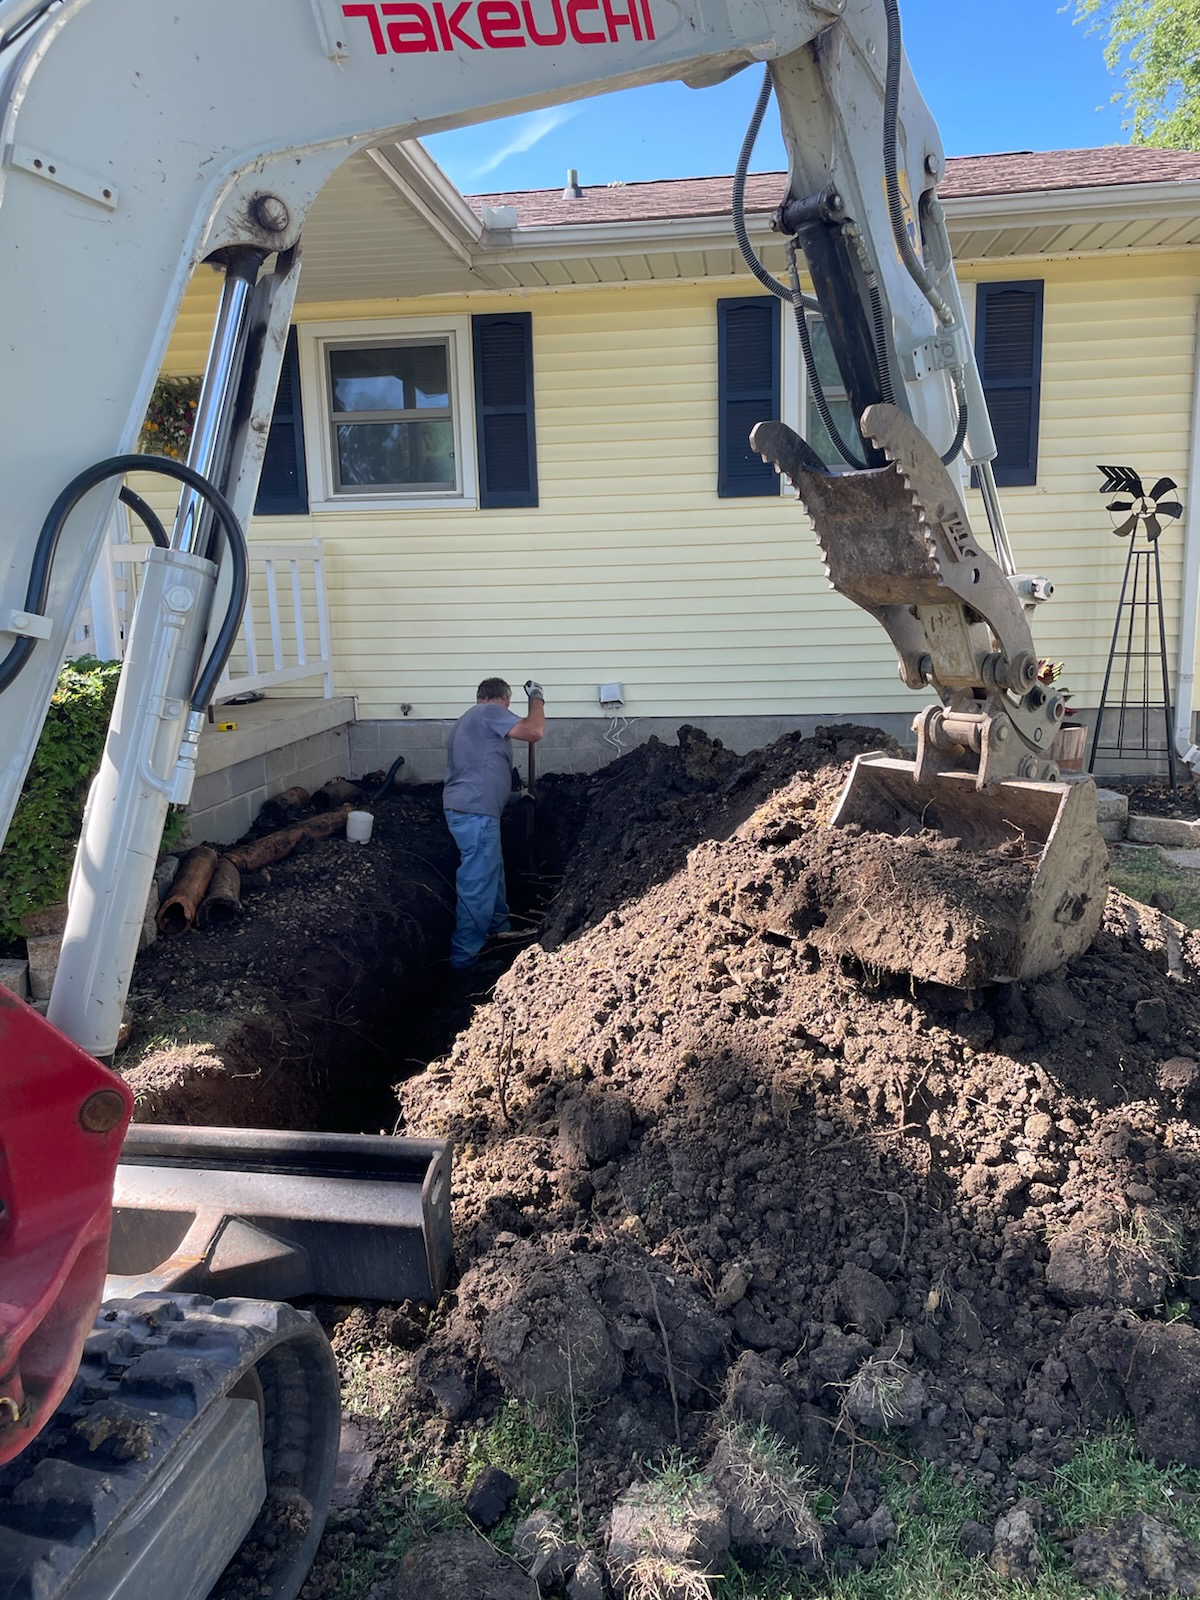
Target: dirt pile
x,y
706,1169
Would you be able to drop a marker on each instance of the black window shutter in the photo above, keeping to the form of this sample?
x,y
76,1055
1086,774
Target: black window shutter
x,y
747,392
502,345
1008,347
283,486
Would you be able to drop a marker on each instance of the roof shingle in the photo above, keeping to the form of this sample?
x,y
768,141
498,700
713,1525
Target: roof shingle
x,y
1017,172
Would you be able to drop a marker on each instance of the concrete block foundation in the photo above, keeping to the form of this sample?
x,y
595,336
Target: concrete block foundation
x,y
583,744
277,744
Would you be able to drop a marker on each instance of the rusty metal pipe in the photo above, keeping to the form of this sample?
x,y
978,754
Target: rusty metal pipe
x,y
223,902
178,911
275,846
339,791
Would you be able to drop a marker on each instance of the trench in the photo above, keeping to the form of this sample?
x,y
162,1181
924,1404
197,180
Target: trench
x,y
334,985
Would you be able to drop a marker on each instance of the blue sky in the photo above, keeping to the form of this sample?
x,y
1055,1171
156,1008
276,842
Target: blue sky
x,y
1019,75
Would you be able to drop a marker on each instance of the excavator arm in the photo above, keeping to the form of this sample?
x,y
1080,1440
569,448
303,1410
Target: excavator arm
x,y
138,141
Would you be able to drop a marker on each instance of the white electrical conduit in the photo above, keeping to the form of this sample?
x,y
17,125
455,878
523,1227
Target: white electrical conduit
x,y
1189,600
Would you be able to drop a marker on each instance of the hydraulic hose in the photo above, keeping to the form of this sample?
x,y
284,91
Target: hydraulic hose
x,y
147,515
37,591
891,104
799,302
814,380
739,202
913,263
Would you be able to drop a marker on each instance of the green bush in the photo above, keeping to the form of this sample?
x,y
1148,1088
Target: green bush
x,y
35,864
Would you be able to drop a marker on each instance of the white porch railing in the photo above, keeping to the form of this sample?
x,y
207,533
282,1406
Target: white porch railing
x,y
284,636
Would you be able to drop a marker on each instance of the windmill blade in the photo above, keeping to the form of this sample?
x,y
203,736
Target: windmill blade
x,y
1119,505
1161,488
1153,528
1126,528
1120,478
1170,509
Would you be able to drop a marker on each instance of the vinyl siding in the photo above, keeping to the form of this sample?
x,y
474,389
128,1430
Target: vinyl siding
x,y
1118,349
632,569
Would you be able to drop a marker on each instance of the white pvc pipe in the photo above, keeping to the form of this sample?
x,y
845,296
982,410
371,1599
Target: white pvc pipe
x,y
1189,600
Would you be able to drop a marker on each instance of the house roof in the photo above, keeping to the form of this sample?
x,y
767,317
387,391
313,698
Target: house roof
x,y
390,224
1018,172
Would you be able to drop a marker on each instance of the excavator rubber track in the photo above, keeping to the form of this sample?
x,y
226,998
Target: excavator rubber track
x,y
194,1455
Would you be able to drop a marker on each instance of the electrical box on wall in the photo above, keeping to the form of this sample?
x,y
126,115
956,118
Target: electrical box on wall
x,y
611,695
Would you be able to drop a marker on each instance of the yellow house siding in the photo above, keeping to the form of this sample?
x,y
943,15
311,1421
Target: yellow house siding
x,y
188,349
1117,375
631,568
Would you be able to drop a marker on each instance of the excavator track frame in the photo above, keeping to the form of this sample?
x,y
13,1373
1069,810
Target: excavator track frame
x,y
199,1439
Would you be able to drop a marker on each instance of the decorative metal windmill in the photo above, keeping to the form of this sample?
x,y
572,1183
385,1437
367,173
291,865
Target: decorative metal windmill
x,y
1139,633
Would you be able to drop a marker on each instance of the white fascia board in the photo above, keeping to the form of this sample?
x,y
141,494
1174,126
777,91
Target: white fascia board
x,y
1127,202
583,238
413,172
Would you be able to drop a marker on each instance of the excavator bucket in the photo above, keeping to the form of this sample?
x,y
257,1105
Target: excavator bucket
x,y
280,1215
1013,885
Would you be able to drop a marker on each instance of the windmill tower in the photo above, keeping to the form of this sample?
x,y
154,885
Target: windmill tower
x,y
1137,685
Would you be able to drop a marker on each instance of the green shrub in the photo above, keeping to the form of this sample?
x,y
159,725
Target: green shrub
x,y
35,864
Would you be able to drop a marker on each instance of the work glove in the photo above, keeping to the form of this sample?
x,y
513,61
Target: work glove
x,y
534,691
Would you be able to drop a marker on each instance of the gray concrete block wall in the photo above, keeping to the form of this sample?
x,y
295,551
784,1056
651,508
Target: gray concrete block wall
x,y
225,802
578,744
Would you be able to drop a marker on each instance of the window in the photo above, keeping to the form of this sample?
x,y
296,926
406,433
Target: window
x,y
1008,347
755,352
748,363
388,421
392,424
283,484
836,399
420,413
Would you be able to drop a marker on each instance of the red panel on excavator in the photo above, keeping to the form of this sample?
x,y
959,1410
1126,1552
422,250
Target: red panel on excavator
x,y
62,1119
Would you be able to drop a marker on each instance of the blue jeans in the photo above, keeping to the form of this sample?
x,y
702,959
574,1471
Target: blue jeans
x,y
482,904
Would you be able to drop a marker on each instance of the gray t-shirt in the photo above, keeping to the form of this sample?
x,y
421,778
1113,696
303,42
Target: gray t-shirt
x,y
479,761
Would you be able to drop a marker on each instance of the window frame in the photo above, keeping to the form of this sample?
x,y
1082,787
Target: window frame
x,y
316,339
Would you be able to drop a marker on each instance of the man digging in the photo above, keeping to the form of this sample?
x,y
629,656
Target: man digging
x,y
477,788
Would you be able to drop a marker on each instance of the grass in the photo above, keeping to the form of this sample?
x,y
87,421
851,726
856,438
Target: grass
x,y
1103,1483
425,1493
1153,1235
156,1030
770,1485
1141,872
1107,1480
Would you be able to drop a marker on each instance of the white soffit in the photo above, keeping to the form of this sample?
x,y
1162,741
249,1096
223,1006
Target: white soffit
x,y
389,224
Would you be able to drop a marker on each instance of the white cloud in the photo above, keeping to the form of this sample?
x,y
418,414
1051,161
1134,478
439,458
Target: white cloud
x,y
529,130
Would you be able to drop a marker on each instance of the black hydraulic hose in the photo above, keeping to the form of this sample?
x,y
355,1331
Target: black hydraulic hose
x,y
38,588
800,303
960,432
388,781
915,266
147,515
810,365
879,322
739,201
891,104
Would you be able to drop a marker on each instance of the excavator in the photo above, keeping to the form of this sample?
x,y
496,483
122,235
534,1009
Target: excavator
x,y
168,1421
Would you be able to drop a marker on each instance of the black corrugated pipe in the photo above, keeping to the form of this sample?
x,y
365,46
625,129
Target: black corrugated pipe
x,y
386,785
